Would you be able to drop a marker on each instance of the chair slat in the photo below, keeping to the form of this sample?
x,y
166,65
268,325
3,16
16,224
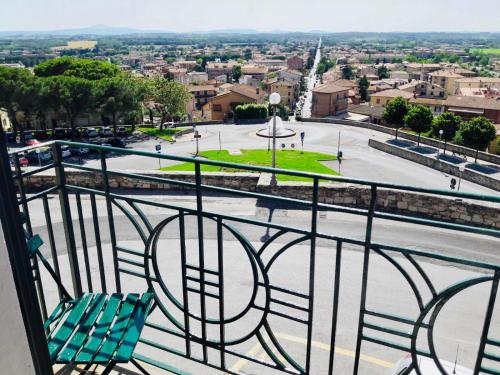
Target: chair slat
x,y
70,323
111,343
94,342
82,333
131,336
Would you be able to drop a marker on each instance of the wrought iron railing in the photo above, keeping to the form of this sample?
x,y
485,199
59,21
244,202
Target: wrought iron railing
x,y
198,321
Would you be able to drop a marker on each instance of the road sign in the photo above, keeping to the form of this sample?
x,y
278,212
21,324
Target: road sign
x,y
158,148
197,134
302,136
18,139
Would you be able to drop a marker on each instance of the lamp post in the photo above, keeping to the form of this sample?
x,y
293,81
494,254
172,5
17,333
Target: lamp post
x,y
441,139
461,169
274,100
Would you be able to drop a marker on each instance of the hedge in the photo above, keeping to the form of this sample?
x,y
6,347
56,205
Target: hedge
x,y
251,111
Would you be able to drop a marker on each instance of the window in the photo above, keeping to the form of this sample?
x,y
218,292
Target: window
x,y
378,101
217,108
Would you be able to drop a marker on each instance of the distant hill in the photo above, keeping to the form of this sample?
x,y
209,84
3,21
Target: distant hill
x,y
91,30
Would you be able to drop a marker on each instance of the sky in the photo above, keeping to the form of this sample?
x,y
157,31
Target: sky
x,y
262,15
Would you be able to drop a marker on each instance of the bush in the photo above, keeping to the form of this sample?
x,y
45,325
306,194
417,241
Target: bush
x,y
476,133
448,122
251,111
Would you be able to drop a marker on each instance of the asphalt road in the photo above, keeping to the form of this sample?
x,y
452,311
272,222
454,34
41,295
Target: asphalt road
x,y
311,81
458,324
359,160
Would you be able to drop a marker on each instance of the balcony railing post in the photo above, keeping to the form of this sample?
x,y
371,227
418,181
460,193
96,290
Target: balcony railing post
x,y
364,283
312,265
15,242
111,221
487,322
69,233
201,259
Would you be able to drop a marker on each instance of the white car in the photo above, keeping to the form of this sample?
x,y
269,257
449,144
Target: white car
x,y
106,132
428,367
169,124
65,151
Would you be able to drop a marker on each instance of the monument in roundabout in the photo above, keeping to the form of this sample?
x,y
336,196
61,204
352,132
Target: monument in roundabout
x,y
281,131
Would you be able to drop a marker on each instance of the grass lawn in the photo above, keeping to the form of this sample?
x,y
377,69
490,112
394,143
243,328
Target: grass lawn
x,y
486,51
163,134
286,159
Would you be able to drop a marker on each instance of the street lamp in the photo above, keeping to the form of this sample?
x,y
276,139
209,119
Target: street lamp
x,y
461,169
274,100
440,139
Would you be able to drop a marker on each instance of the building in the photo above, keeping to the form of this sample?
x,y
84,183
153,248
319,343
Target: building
x,y
176,74
215,69
478,82
372,114
421,71
295,63
291,75
255,71
469,107
446,79
250,81
380,99
221,106
400,74
329,100
436,105
196,77
424,89
201,94
288,90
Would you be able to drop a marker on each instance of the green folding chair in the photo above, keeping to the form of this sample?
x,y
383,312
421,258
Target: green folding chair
x,y
96,328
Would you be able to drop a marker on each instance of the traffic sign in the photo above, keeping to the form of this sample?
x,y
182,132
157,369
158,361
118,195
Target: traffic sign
x,y
18,139
302,135
197,134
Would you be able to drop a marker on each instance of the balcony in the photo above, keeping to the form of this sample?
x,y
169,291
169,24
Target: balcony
x,y
315,277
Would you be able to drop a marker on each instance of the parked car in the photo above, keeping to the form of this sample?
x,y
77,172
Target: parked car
x,y
31,142
23,162
44,155
65,151
428,367
42,135
90,133
116,142
79,151
169,124
106,132
122,130
11,136
28,135
59,133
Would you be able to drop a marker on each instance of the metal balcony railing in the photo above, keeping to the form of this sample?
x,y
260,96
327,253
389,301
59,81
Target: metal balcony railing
x,y
210,309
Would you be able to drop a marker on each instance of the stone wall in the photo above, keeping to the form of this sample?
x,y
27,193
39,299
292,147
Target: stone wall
x,y
490,158
440,165
391,201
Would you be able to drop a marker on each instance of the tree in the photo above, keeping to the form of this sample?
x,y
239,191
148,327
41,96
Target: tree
x,y
363,85
11,83
395,111
73,95
448,123
171,98
476,133
236,73
419,119
248,54
383,72
347,72
119,95
79,68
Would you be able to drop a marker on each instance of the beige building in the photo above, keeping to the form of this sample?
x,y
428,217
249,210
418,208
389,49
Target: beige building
x,y
446,79
215,69
478,82
287,89
221,106
329,100
424,89
380,99
434,104
202,93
